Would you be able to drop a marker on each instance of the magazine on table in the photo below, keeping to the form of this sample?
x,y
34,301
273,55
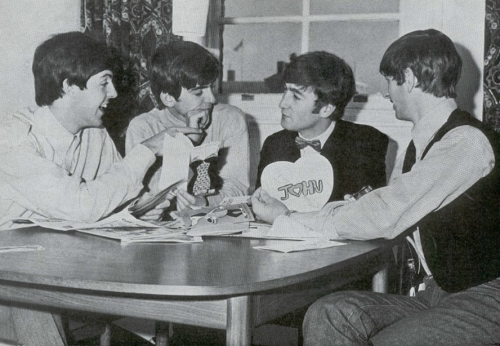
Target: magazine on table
x,y
144,235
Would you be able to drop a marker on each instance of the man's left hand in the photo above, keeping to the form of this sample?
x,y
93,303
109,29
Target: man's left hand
x,y
265,207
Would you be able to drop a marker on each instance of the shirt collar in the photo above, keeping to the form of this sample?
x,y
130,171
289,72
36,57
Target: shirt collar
x,y
423,132
324,136
51,128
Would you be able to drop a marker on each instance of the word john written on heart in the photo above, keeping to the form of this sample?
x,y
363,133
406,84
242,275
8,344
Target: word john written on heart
x,y
304,185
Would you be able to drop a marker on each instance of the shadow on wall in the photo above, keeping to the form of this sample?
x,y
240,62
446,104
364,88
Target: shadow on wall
x,y
123,108
470,81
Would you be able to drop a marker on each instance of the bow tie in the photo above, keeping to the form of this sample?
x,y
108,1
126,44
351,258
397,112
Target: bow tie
x,y
302,143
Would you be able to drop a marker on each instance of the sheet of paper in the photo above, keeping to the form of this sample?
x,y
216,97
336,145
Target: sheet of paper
x,y
295,246
218,229
205,151
236,200
178,153
176,159
118,220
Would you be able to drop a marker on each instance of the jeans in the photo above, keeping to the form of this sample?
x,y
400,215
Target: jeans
x,y
433,317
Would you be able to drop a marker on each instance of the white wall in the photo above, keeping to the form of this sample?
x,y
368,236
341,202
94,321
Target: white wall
x,y
463,22
24,24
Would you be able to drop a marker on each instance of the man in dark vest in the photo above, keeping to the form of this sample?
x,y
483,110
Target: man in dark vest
x,y
318,87
444,192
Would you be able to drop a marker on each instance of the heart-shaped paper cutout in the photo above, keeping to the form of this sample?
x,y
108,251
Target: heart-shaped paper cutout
x,y
303,185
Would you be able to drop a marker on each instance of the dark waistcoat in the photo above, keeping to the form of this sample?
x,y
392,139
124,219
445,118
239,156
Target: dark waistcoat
x,y
461,241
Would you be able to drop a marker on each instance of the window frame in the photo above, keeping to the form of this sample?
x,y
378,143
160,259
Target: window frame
x,y
306,18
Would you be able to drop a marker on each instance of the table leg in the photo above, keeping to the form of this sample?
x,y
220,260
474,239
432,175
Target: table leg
x,y
380,280
105,338
162,333
239,321
36,328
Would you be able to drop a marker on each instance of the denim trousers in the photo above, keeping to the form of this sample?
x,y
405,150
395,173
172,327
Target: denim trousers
x,y
433,317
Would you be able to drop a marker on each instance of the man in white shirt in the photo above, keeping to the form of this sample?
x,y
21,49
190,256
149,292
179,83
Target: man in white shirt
x,y
57,160
447,187
182,76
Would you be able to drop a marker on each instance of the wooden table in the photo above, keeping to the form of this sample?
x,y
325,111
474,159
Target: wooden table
x,y
222,283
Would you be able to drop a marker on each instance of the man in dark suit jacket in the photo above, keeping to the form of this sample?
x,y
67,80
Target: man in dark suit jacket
x,y
319,85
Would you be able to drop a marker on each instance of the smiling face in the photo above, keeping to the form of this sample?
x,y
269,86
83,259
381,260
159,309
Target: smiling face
x,y
191,102
89,103
297,106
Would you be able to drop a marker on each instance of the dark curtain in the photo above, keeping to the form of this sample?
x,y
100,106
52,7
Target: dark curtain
x,y
491,108
135,28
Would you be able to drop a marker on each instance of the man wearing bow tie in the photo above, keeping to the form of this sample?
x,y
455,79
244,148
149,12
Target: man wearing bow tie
x,y
319,85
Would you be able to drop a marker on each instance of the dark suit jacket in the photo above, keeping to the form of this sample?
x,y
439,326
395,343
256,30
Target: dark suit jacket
x,y
356,152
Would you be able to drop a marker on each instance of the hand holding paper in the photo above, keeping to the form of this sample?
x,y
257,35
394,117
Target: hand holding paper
x,y
148,203
155,143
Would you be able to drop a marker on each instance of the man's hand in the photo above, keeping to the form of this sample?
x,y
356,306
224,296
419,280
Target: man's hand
x,y
198,119
265,207
187,201
156,213
155,143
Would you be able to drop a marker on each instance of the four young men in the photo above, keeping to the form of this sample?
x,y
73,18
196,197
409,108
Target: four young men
x,y
58,162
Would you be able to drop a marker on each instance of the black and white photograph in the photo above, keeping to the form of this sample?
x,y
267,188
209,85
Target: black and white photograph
x,y
250,172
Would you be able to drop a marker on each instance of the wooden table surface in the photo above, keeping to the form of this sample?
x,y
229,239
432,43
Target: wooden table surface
x,y
84,272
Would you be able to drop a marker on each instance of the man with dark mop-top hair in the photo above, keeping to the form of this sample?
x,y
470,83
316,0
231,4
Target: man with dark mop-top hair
x,y
182,76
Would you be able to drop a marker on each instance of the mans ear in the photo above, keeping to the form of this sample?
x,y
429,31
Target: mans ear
x,y
69,90
410,80
167,99
327,110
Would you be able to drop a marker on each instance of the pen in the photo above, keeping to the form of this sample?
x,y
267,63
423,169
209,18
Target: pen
x,y
21,248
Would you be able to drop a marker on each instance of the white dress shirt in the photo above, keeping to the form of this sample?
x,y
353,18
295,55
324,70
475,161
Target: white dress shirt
x,y
47,172
454,164
322,138
228,126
